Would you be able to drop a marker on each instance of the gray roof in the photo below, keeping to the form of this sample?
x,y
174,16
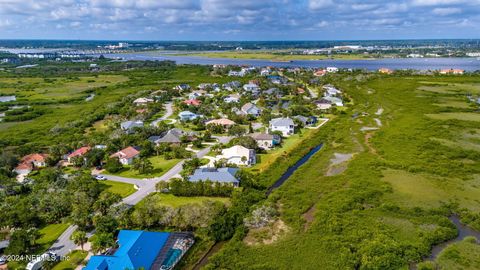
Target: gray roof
x,y
224,175
131,124
282,122
172,136
261,136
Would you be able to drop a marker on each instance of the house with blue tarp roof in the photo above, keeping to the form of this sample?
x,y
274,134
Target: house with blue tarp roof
x,y
138,249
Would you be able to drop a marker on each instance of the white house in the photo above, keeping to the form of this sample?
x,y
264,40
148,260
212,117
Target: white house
x,y
234,98
251,87
187,116
284,125
335,100
142,101
239,155
332,69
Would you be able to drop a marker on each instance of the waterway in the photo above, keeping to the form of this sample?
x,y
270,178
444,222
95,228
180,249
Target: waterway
x,y
463,231
468,64
7,98
293,168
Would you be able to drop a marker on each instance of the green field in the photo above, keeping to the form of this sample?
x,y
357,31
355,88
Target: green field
x,y
392,202
74,259
122,189
160,167
174,201
49,234
464,255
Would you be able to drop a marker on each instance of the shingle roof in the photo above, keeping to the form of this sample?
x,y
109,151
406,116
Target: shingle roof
x,y
282,122
80,151
223,122
126,153
224,175
262,136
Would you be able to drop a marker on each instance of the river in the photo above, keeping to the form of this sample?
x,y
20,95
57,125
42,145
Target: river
x,y
468,64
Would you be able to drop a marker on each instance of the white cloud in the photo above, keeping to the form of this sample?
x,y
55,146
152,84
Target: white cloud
x,y
446,11
319,4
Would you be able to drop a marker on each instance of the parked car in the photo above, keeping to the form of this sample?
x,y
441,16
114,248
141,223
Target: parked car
x,y
100,177
40,260
3,261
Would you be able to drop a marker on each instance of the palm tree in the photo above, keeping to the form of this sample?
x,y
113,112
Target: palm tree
x,y
79,238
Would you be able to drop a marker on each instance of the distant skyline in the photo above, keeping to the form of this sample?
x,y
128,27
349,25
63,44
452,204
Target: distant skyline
x,y
239,20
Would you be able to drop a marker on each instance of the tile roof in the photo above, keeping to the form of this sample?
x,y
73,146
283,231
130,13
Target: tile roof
x,y
126,153
80,151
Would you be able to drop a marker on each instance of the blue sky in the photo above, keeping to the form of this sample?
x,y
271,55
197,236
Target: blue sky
x,y
239,19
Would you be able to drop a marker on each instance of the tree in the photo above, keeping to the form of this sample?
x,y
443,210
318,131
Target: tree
x,y
245,141
77,161
105,224
105,201
236,131
22,241
143,165
79,238
101,242
113,165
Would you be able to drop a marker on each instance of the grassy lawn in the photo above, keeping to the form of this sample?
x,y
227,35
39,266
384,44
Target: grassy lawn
x,y
463,116
122,189
49,234
160,167
74,259
266,160
174,201
389,202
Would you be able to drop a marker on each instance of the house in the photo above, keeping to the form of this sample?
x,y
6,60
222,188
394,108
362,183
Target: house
x,y
130,126
237,73
144,250
173,136
204,86
320,73
192,102
80,152
277,79
182,87
239,155
331,91
306,121
127,155
273,92
251,109
385,71
233,98
452,71
222,122
187,116
221,175
142,101
332,69
251,87
230,86
31,162
196,94
264,72
266,141
335,100
323,104
285,125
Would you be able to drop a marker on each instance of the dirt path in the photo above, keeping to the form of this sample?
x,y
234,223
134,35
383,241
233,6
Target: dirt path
x,y
338,164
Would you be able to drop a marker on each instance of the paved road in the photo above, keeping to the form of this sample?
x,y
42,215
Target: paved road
x,y
4,244
64,245
133,181
168,113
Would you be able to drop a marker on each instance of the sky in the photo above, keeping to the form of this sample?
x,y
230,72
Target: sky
x,y
239,19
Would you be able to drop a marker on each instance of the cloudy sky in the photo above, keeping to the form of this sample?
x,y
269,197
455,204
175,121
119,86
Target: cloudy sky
x,y
239,19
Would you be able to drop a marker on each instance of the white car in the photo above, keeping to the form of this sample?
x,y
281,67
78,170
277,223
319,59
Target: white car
x,y
100,177
3,261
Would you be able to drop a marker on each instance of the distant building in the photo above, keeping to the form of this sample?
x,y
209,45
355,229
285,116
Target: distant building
x,y
266,141
187,116
173,136
251,87
192,102
144,250
220,175
251,109
127,155
285,125
452,71
385,71
222,122
130,126
80,152
142,101
182,87
239,155
323,104
332,69
31,162
234,98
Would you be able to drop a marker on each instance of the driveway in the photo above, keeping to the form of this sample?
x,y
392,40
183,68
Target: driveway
x,y
168,113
